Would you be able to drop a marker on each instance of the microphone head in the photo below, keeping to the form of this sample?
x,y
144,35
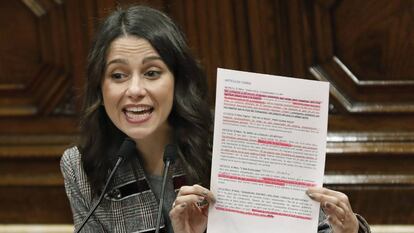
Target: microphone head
x,y
127,148
170,153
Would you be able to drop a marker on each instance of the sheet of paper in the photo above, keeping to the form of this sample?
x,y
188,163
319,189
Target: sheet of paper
x,y
269,147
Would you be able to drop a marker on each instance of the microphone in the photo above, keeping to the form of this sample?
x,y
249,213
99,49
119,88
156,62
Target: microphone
x,y
170,152
127,148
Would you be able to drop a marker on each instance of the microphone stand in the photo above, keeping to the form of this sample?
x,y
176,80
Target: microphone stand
x,y
127,148
164,181
118,162
170,153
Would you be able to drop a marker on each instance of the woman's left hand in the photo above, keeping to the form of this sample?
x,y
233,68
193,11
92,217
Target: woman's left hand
x,y
338,209
190,209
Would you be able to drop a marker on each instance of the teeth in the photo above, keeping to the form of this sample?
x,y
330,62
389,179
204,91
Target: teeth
x,y
137,117
138,113
138,109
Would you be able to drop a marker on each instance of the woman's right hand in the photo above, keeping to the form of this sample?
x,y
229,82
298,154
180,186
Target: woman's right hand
x,y
190,209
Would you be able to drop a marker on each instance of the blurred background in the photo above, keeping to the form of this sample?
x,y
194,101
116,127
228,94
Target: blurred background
x,y
363,48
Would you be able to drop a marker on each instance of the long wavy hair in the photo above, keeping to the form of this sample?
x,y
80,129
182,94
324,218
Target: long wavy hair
x,y
190,116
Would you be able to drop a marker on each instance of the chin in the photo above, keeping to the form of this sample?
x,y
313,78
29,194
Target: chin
x,y
137,135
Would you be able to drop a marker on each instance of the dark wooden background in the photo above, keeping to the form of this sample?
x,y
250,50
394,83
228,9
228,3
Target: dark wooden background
x,y
363,48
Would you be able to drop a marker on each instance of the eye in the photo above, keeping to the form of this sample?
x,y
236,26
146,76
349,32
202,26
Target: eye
x,y
118,76
152,74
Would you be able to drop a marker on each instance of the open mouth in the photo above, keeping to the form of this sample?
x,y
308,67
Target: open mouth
x,y
139,113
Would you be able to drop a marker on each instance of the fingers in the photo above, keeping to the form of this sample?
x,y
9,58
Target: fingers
x,y
348,224
333,220
324,195
327,192
332,203
334,210
195,194
196,190
178,215
190,199
337,207
177,210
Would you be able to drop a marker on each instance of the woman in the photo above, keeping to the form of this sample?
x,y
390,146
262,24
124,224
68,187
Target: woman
x,y
143,83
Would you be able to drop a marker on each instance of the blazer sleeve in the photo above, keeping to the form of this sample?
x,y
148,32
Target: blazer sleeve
x,y
78,190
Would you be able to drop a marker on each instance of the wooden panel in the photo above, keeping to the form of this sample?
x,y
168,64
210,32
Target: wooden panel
x,y
371,135
31,185
217,33
380,48
42,60
18,57
34,204
36,57
381,204
362,48
31,188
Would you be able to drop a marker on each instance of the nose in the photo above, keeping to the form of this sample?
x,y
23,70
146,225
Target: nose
x,y
136,87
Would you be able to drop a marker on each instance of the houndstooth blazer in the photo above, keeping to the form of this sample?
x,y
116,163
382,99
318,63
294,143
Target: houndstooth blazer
x,y
130,205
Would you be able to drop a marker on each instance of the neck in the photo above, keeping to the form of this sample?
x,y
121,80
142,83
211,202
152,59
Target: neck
x,y
152,152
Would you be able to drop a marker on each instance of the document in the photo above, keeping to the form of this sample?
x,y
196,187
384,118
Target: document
x,y
268,149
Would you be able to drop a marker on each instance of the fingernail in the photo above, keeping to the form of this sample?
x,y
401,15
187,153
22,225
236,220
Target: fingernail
x,y
310,195
183,205
202,203
205,193
328,205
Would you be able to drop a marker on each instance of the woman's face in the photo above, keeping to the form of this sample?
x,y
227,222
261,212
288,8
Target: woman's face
x,y
137,88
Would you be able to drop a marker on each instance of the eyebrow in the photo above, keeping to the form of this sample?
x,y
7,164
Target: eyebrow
x,y
151,58
119,60
125,62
